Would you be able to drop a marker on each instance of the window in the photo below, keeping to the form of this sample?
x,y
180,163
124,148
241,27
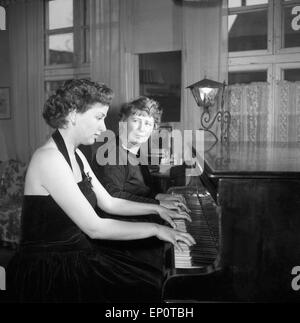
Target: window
x,y
292,74
288,72
264,46
263,33
245,3
66,32
248,30
247,77
160,79
2,18
66,40
247,25
290,25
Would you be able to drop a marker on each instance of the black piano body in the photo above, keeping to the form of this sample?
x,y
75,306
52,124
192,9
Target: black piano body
x,y
256,187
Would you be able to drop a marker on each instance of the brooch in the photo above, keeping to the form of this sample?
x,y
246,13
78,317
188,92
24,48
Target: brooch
x,y
89,179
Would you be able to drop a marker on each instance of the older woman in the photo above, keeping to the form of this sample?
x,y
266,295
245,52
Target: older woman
x,y
56,261
132,181
128,179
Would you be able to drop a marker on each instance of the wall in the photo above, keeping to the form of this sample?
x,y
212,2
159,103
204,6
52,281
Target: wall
x,y
194,29
204,55
143,26
156,26
126,29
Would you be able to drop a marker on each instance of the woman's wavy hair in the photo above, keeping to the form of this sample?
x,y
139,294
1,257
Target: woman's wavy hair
x,y
140,106
75,95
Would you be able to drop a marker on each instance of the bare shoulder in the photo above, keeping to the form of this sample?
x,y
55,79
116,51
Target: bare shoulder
x,y
46,156
45,161
46,165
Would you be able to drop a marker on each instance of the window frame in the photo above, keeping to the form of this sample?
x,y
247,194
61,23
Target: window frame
x,y
253,68
275,60
80,67
239,61
57,31
278,29
285,66
268,51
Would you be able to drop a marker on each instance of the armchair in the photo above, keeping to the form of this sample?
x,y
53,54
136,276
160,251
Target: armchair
x,y
12,175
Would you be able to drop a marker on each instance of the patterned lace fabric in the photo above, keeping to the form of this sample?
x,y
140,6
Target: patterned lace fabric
x,y
254,119
287,113
12,175
249,108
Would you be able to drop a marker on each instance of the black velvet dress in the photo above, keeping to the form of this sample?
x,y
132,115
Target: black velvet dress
x,y
56,261
132,181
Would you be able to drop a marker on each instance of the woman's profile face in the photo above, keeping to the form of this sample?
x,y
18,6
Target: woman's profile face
x,y
139,128
90,124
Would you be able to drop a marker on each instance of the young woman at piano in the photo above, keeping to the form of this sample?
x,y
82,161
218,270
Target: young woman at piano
x,y
56,261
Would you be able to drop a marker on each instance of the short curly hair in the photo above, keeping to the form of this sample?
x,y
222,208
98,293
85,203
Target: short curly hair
x,y
142,104
75,95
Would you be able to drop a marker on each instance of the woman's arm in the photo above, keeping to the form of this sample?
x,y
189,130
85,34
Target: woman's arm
x,y
170,197
54,174
113,178
123,207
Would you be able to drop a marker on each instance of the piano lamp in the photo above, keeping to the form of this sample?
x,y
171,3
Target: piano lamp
x,y
205,93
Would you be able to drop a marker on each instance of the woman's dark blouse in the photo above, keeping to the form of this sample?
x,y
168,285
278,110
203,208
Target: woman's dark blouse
x,y
127,179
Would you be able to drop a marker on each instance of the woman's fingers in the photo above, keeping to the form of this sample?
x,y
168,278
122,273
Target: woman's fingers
x,y
177,246
186,238
182,215
183,238
180,207
183,207
170,221
178,198
172,205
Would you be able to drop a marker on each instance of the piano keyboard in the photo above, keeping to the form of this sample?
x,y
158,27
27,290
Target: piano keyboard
x,y
204,228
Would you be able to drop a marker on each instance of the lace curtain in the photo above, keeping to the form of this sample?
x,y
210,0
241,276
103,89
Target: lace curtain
x,y
287,112
249,108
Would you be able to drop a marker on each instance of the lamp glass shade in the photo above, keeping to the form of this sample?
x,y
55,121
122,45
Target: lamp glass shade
x,y
205,92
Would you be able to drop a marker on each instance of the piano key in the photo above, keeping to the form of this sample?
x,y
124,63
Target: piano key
x,y
204,228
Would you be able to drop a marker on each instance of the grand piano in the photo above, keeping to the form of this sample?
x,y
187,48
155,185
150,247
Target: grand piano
x,y
246,221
